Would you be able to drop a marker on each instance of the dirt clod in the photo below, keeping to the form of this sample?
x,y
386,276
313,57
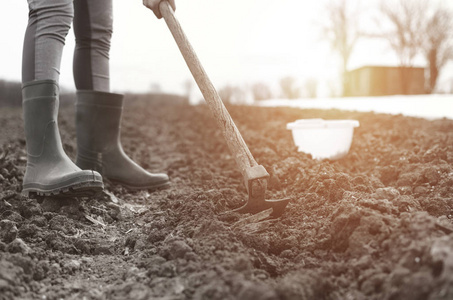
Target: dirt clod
x,y
376,224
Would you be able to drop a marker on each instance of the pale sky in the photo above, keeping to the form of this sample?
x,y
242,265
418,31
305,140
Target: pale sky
x,y
237,41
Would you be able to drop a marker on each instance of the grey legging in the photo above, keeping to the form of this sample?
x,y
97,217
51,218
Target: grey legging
x,y
48,25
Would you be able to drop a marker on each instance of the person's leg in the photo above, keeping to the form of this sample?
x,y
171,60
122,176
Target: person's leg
x,y
93,32
48,24
98,119
49,171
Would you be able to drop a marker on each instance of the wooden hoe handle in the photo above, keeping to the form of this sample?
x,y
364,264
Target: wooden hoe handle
x,y
234,140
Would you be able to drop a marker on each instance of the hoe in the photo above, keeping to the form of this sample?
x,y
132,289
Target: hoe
x,y
255,176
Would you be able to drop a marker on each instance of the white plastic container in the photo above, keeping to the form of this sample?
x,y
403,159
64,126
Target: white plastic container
x,y
323,139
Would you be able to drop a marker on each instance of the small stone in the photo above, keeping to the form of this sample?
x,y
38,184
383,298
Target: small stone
x,y
261,276
191,256
39,220
55,268
442,250
141,245
3,285
389,193
421,190
18,246
287,253
4,172
8,231
167,269
87,260
407,179
364,262
178,249
373,283
71,266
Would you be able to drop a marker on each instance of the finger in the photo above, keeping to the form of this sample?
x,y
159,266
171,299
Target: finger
x,y
152,5
173,4
148,3
156,10
157,14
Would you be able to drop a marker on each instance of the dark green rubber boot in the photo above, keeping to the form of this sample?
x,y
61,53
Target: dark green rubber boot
x,y
50,172
99,147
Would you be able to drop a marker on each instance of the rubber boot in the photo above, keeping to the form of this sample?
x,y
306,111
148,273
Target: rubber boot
x,y
99,146
50,172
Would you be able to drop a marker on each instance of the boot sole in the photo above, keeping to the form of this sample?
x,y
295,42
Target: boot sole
x,y
84,189
152,188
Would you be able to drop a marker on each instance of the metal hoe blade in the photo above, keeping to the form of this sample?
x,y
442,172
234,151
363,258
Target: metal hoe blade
x,y
255,179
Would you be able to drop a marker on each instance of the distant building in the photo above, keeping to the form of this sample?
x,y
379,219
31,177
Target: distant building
x,y
382,81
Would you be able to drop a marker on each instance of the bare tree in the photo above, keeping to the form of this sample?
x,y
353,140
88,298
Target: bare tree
x,y
438,43
342,32
226,93
405,36
261,91
310,87
290,88
234,94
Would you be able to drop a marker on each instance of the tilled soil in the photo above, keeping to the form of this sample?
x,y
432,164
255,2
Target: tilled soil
x,y
376,224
